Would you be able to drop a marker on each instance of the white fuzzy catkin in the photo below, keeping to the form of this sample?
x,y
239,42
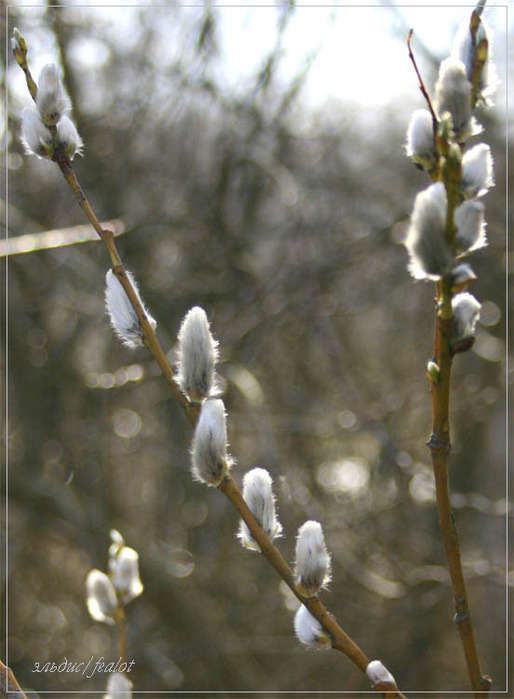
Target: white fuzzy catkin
x,y
379,674
35,136
466,311
209,458
470,223
68,137
312,559
461,276
52,102
309,631
420,144
430,256
118,687
117,542
124,320
477,171
197,355
101,597
453,95
125,574
258,495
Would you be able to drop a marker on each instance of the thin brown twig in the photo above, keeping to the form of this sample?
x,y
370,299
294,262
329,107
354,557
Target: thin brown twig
x,y
424,92
440,445
339,639
9,686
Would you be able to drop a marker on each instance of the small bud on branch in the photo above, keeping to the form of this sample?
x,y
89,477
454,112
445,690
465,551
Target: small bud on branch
x,y
258,495
312,559
209,457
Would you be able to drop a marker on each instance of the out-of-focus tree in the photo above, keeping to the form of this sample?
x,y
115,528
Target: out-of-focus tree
x,y
285,226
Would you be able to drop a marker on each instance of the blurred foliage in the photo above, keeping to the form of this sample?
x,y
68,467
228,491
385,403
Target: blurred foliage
x,y
285,225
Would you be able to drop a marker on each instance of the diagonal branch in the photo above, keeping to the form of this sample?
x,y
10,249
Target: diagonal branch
x,y
339,639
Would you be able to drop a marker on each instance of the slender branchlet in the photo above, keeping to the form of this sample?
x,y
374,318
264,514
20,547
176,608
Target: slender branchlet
x,y
197,355
312,567
9,684
258,494
447,223
421,83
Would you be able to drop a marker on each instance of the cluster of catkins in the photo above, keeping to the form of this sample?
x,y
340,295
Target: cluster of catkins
x,y
197,355
108,594
437,143
48,127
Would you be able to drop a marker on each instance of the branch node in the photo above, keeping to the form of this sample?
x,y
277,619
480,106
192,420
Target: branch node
x,y
436,444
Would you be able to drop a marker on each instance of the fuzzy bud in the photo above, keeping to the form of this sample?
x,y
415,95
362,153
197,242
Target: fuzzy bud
x,y
467,50
433,371
19,46
380,676
68,137
477,171
461,276
52,102
312,559
470,223
101,597
117,543
429,252
125,573
124,320
453,95
17,40
258,495
197,355
118,687
466,311
309,631
35,136
420,144
209,457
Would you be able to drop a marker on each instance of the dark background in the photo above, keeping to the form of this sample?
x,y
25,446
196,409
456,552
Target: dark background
x,y
285,224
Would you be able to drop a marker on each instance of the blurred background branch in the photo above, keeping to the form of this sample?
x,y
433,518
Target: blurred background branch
x,y
282,220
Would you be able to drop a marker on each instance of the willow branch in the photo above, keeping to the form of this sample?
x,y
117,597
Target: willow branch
x,y
339,639
9,686
440,445
421,83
